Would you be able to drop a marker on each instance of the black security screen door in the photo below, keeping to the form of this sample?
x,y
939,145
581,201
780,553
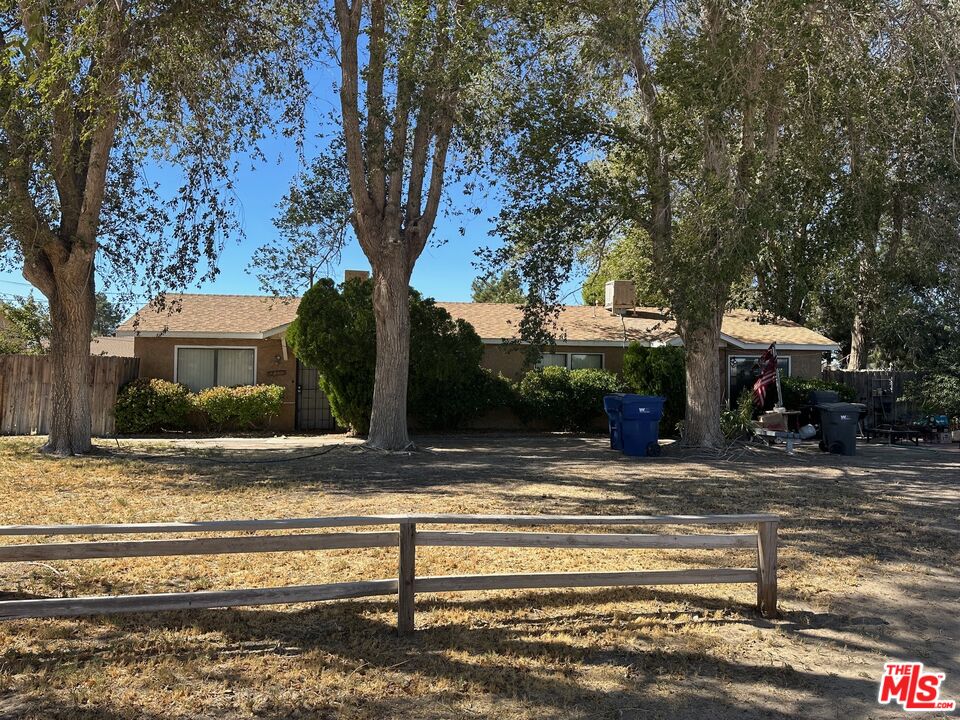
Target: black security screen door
x,y
313,408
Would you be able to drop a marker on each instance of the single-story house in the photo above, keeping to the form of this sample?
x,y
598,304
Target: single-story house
x,y
240,340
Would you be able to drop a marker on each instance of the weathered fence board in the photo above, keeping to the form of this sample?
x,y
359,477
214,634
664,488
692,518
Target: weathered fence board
x,y
25,383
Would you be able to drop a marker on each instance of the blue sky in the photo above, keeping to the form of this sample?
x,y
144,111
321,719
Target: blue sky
x,y
444,271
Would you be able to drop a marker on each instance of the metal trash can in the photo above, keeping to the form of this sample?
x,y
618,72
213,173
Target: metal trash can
x,y
611,405
640,424
838,426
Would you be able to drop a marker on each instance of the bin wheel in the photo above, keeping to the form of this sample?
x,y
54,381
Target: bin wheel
x,y
653,449
823,445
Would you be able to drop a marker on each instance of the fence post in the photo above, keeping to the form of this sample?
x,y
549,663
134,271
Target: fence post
x,y
408,561
767,568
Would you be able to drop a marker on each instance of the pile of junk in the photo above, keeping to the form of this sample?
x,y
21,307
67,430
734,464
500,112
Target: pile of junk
x,y
824,417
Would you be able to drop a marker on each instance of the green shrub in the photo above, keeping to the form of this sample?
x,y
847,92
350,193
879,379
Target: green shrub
x,y
937,394
564,399
245,407
149,405
736,423
659,371
796,389
335,332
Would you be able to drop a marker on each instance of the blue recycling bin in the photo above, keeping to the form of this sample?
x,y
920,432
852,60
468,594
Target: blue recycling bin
x,y
640,424
611,404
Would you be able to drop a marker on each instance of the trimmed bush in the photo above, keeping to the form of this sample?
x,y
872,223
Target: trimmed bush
x,y
796,389
149,405
564,399
659,371
246,407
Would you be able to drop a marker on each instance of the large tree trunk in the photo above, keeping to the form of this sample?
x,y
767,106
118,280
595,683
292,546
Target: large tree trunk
x,y
858,340
72,307
702,424
391,309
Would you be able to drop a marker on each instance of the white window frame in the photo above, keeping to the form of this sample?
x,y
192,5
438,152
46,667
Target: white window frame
x,y
176,357
755,358
568,359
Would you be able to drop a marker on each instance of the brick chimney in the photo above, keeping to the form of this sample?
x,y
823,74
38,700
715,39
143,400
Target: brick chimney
x,y
355,275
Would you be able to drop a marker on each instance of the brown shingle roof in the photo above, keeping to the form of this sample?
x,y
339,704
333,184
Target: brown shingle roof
x,y
583,323
575,323
255,316
199,314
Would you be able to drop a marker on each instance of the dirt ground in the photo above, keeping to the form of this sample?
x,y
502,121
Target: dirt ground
x,y
868,573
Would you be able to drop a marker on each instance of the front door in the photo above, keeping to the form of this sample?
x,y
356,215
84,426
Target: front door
x,y
313,408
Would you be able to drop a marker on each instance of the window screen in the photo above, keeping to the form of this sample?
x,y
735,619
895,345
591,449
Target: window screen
x,y
200,368
582,361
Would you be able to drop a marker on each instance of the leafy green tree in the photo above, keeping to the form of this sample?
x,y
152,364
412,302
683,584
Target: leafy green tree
x,y
493,288
711,136
313,223
415,78
90,95
107,315
24,327
335,332
628,258
660,123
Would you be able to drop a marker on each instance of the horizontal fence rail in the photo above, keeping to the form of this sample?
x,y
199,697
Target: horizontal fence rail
x,y
406,539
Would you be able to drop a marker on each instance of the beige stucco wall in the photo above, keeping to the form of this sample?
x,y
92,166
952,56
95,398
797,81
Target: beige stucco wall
x,y
157,361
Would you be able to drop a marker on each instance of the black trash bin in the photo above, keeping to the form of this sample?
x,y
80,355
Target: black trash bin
x,y
838,426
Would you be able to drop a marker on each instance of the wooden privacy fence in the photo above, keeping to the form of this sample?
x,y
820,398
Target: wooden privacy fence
x,y
25,382
763,541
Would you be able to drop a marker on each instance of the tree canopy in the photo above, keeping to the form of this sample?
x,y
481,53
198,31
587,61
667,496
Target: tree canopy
x,y
710,150
505,287
94,94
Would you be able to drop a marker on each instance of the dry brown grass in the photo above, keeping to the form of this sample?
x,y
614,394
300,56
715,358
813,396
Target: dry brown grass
x,y
868,557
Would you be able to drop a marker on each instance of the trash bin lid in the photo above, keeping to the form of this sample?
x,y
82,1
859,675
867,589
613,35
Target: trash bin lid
x,y
820,397
651,400
840,407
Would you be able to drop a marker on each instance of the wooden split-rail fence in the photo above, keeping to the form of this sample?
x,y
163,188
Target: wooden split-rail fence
x,y
762,541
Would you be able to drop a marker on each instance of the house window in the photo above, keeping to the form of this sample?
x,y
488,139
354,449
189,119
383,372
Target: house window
x,y
743,373
573,361
585,361
203,367
553,360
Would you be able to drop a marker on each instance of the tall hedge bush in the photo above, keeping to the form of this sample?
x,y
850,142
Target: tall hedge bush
x,y
659,371
564,399
334,331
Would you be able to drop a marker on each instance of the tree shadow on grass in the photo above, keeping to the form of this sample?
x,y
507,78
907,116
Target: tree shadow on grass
x,y
518,655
